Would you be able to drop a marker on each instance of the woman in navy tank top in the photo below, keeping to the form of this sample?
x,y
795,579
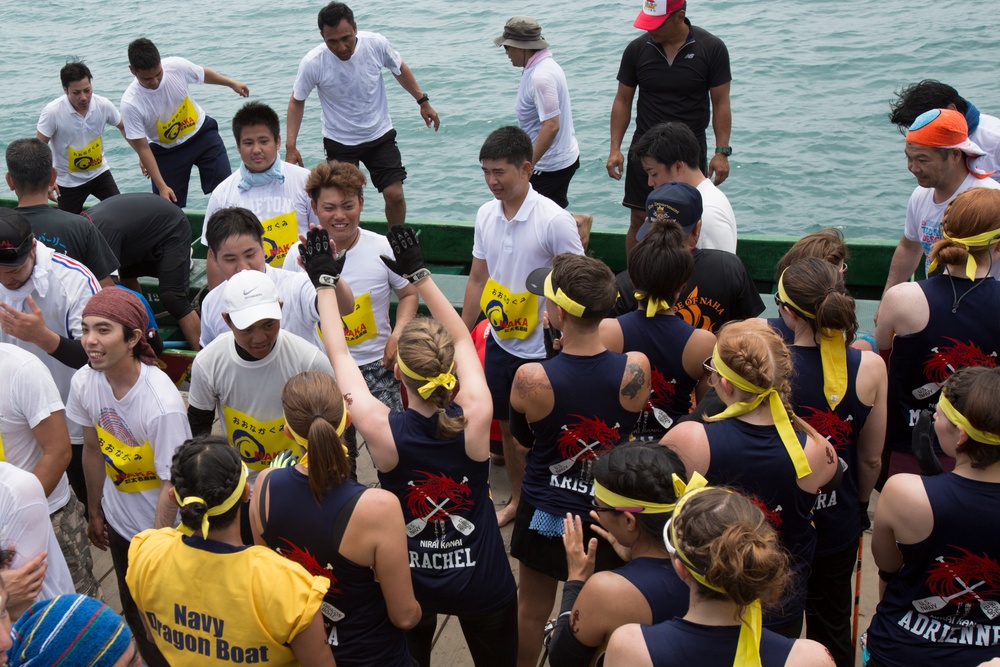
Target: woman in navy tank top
x,y
935,540
635,492
840,391
759,446
434,457
315,514
659,266
726,552
929,329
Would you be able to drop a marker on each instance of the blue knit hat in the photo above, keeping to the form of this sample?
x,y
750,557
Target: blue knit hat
x,y
69,630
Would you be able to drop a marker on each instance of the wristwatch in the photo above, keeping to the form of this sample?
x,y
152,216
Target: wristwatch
x,y
423,99
724,150
418,275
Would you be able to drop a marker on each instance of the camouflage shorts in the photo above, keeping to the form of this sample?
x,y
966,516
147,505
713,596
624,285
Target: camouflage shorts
x,y
70,526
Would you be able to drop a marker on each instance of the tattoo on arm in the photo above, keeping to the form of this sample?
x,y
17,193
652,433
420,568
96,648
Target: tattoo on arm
x,y
636,380
529,384
831,456
574,621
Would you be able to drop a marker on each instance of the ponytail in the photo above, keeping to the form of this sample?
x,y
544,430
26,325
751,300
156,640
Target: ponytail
x,y
314,406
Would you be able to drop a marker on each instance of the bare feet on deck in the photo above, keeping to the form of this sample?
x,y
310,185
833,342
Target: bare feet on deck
x,y
506,513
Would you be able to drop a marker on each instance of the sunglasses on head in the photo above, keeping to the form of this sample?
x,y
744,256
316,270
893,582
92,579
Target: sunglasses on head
x,y
602,508
9,255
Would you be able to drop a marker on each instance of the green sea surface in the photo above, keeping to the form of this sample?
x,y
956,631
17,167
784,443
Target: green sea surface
x,y
812,80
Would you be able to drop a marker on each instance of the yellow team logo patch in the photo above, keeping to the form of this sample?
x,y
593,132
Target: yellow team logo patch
x,y
88,158
280,232
360,326
3,457
130,468
510,315
183,121
258,442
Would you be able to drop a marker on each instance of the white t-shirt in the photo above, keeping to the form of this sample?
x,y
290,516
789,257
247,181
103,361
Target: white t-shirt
x,y
25,523
247,394
139,435
61,287
273,203
718,222
166,116
351,92
543,94
298,307
82,136
367,329
987,137
923,216
28,396
512,249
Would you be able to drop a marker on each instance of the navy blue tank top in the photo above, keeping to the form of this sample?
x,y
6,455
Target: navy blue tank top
x,y
943,608
354,613
837,514
587,420
655,578
752,459
662,340
680,643
783,329
457,556
921,362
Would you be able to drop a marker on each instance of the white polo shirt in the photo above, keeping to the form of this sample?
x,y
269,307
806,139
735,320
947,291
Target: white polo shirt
x,y
274,204
718,222
298,307
141,432
28,396
367,329
60,287
512,249
351,92
77,141
166,116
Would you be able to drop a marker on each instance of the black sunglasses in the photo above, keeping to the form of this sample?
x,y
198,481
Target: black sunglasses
x,y
9,255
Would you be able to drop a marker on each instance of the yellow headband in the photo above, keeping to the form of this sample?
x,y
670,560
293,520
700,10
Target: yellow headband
x,y
832,352
221,508
562,299
304,444
958,419
625,503
653,304
778,413
748,648
978,241
446,380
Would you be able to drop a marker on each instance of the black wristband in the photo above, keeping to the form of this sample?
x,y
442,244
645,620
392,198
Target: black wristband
x,y
423,99
887,576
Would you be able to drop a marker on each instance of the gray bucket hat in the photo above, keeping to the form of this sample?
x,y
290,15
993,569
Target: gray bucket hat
x,y
522,32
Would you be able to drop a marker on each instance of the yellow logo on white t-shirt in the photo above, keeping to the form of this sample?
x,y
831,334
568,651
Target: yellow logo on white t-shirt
x,y
280,232
510,315
3,456
88,158
183,121
130,468
360,326
258,442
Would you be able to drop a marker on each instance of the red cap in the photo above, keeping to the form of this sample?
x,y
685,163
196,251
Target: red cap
x,y
655,12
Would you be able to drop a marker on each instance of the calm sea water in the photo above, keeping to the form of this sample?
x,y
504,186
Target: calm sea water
x,y
812,82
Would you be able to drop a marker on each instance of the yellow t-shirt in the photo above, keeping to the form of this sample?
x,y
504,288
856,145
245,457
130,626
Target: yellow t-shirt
x,y
248,611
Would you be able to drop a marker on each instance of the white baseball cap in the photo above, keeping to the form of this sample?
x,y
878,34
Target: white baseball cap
x,y
249,297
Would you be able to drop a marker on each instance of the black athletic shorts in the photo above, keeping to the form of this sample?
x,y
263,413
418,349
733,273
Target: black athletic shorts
x,y
500,366
381,157
555,184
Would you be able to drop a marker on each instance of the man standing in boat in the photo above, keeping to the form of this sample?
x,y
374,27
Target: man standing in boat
x,y
161,117
945,163
346,70
516,233
680,70
74,123
544,111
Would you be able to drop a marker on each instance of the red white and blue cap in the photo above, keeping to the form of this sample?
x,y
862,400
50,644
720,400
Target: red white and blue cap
x,y
946,128
655,12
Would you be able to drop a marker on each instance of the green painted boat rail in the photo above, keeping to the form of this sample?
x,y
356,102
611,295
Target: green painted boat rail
x,y
447,247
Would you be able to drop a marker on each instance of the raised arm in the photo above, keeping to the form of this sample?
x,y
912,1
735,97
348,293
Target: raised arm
x,y
214,78
410,85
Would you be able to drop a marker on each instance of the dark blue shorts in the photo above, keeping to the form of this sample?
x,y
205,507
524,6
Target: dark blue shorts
x,y
500,366
206,150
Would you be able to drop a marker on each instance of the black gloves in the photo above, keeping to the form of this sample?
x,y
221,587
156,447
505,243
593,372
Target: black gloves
x,y
409,260
922,444
321,265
